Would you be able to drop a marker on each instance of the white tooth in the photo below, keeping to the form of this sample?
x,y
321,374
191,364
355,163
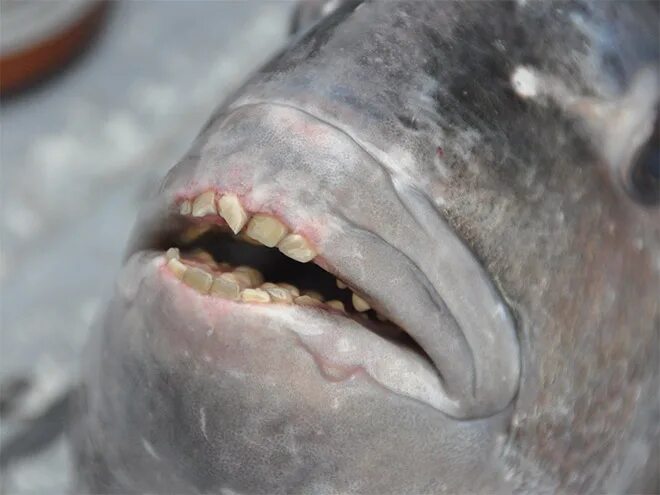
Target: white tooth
x,y
203,257
172,254
307,301
204,204
244,237
194,232
360,304
295,292
268,285
266,229
198,279
255,295
243,279
296,246
185,208
336,305
232,211
225,267
256,278
278,294
226,286
341,284
177,268
313,294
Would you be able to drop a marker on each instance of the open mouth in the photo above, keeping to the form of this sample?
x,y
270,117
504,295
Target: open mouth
x,y
362,265
223,251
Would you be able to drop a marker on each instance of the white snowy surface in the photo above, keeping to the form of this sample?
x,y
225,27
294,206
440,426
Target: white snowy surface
x,y
76,156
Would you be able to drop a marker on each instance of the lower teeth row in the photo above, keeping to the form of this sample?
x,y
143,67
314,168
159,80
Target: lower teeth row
x,y
243,283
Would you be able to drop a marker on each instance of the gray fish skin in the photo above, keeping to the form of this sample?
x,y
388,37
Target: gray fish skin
x,y
466,166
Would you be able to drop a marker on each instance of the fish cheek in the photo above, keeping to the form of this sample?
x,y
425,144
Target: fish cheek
x,y
173,408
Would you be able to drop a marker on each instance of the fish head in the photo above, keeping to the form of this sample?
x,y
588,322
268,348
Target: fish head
x,y
482,182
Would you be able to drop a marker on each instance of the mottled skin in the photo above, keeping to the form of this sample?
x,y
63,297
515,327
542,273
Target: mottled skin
x,y
374,129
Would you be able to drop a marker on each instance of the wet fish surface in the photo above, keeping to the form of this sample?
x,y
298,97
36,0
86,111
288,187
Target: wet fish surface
x,y
418,252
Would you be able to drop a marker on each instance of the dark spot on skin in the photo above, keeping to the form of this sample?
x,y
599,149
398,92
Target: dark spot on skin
x,y
644,174
312,41
408,122
12,390
613,66
399,23
439,152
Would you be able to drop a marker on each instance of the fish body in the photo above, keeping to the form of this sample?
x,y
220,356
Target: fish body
x,y
481,176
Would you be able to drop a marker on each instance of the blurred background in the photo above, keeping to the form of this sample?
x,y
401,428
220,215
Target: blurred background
x,y
98,101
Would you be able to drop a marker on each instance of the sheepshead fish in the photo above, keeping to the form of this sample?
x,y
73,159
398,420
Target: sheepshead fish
x,y
418,252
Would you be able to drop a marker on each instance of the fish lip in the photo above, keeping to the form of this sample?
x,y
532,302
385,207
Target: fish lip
x,y
477,399
385,364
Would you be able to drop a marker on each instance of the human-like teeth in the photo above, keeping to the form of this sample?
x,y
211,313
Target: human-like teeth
x,y
198,279
341,284
243,279
307,301
246,238
360,304
194,232
204,204
278,294
255,296
172,253
177,268
255,276
296,246
312,293
336,305
295,292
232,211
308,297
224,267
203,257
227,286
266,229
185,208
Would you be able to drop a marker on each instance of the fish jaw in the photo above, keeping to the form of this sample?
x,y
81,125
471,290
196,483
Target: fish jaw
x,y
219,395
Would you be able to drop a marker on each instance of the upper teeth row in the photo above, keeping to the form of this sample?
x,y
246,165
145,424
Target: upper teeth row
x,y
265,229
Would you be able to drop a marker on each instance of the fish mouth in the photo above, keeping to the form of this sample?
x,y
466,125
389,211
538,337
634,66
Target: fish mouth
x,y
252,264
246,237
215,261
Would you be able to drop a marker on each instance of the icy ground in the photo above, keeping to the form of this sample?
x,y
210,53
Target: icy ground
x,y
76,155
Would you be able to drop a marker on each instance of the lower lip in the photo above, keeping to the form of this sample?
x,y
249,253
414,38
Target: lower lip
x,y
341,348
